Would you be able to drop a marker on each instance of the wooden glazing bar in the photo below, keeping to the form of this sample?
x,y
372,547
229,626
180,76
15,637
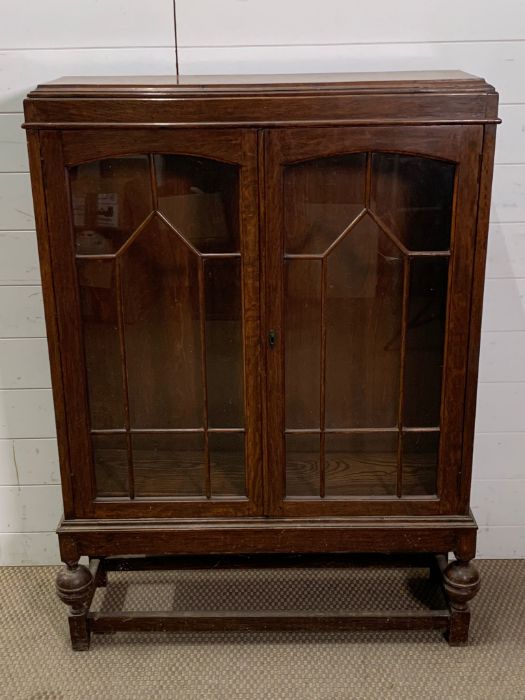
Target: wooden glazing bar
x,y
215,256
124,368
95,256
402,358
204,379
153,179
287,256
162,431
333,431
113,256
342,235
431,429
322,388
177,233
303,256
108,431
338,431
134,235
386,230
368,180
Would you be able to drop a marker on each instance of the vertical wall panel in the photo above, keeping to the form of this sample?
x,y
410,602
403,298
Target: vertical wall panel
x,y
230,22
58,23
12,143
19,258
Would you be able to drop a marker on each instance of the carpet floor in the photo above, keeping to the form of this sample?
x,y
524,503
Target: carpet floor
x,y
36,661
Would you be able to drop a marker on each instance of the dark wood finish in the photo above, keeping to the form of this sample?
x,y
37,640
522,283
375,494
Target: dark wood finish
x,y
460,145
485,191
77,585
460,583
235,147
176,224
74,103
153,85
266,561
339,620
50,310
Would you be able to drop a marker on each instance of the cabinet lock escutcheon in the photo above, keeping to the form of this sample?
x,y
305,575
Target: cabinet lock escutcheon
x,y
272,338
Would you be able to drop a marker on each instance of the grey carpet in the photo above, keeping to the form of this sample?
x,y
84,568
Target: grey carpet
x,y
36,661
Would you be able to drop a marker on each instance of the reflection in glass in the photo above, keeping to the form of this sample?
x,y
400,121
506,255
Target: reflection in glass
x,y
425,341
363,329
164,318
199,197
162,330
302,465
227,464
321,198
224,347
169,464
420,462
361,464
414,196
109,200
344,282
98,298
110,457
302,343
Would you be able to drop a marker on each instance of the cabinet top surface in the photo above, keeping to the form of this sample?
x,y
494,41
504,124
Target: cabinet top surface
x,y
388,82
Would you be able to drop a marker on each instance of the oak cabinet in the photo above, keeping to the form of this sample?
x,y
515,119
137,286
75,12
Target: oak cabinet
x,y
263,302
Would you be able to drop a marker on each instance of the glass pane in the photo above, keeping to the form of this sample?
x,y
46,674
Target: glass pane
x,y
425,341
109,200
420,462
224,344
98,298
162,330
363,323
227,464
414,197
110,457
361,464
199,198
302,343
321,198
169,465
302,465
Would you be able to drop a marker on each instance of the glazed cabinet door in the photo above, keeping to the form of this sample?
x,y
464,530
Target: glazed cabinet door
x,y
154,240
369,255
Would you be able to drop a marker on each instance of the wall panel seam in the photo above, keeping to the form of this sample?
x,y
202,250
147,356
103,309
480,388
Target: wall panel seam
x,y
349,43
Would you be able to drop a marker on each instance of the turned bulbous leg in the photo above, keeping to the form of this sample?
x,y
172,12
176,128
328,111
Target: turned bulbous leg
x,y
461,583
74,585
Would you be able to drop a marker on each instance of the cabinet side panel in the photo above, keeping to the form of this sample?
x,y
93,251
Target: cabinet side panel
x,y
478,283
61,245
39,202
458,315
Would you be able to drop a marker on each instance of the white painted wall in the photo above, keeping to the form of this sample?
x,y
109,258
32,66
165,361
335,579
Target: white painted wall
x,y
43,40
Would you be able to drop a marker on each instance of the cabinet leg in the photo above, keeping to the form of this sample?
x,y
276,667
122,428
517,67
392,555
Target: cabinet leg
x,y
461,583
101,578
74,585
437,566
